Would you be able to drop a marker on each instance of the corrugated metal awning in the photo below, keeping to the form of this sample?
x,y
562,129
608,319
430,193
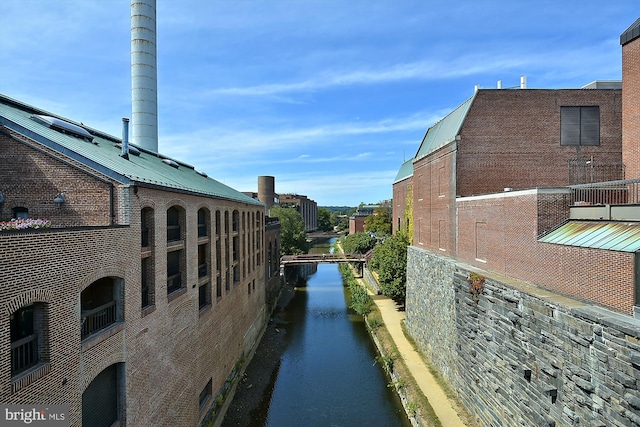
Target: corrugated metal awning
x,y
613,236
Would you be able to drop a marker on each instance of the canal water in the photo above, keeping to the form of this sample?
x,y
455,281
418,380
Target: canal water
x,y
327,374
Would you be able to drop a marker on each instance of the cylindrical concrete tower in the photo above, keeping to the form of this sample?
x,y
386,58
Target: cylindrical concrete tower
x,y
144,86
266,190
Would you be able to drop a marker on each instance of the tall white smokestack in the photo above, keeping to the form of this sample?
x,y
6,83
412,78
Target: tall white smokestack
x,y
144,79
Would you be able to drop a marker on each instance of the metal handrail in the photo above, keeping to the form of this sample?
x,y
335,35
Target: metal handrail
x,y
98,318
24,353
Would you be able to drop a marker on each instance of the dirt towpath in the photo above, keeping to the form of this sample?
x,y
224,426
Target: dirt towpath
x,y
393,319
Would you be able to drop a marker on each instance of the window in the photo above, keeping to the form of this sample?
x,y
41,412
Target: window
x,y
217,223
103,401
580,125
174,271
206,394
29,328
146,220
147,290
203,265
173,224
100,305
235,221
20,213
204,295
202,222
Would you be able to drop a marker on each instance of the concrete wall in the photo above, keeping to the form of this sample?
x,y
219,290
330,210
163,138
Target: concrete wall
x,y
522,355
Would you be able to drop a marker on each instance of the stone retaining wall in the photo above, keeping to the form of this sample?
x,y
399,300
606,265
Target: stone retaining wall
x,y
517,359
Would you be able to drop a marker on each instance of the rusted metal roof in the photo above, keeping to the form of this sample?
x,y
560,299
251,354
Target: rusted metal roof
x,y
613,236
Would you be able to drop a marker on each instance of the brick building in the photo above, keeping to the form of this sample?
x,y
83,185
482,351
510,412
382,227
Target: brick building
x,y
138,303
357,220
306,207
496,176
538,192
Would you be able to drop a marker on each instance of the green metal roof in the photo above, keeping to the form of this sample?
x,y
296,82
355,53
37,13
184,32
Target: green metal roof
x,y
444,131
406,170
103,156
614,236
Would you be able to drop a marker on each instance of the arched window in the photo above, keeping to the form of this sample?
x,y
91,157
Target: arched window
x,y
103,401
203,221
147,227
175,220
101,305
29,329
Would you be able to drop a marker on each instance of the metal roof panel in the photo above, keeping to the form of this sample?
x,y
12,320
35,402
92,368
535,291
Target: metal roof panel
x,y
103,155
607,235
444,131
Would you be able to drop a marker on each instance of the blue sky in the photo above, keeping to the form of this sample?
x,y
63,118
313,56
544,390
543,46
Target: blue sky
x,y
328,96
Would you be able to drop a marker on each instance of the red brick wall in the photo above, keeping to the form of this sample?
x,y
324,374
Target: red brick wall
x,y
400,190
631,108
511,138
356,224
509,245
32,179
434,194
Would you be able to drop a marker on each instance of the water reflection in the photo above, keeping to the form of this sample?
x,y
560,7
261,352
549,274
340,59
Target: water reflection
x,y
326,376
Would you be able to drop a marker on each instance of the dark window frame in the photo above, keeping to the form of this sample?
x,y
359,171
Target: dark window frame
x,y
580,126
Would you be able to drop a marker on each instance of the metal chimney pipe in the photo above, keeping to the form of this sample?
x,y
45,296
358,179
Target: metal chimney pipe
x,y
144,75
125,138
499,84
523,82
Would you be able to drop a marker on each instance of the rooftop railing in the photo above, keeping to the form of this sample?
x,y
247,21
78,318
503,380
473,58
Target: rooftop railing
x,y
623,192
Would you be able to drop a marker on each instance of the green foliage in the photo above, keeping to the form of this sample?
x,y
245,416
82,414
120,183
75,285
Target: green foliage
x,y
408,214
360,302
390,262
374,322
358,243
386,361
380,222
342,222
292,232
398,384
324,220
413,408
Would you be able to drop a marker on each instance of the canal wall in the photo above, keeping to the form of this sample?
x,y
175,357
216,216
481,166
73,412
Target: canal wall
x,y
518,355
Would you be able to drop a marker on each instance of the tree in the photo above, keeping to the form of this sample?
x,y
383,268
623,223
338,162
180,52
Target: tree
x,y
390,262
358,243
380,222
293,238
324,220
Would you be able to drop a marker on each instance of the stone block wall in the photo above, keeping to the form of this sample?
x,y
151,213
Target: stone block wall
x,y
522,355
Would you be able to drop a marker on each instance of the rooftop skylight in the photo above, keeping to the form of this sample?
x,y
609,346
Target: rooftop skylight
x,y
64,126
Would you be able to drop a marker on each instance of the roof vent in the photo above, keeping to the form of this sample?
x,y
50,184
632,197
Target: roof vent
x,y
132,150
171,163
64,127
201,173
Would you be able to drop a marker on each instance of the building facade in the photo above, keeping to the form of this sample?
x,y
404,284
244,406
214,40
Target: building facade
x,y
305,206
523,278
139,301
